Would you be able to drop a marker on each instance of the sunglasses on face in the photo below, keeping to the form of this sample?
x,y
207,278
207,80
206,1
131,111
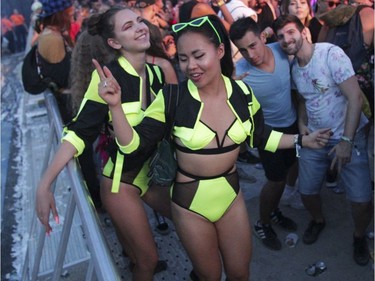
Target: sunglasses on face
x,y
331,4
195,23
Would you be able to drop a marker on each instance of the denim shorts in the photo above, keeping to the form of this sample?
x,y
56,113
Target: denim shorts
x,y
355,176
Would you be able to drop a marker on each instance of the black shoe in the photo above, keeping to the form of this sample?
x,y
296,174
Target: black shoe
x,y
278,218
248,157
267,235
361,252
312,232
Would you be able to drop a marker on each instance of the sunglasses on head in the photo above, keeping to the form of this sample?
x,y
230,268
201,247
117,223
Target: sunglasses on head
x,y
195,23
331,4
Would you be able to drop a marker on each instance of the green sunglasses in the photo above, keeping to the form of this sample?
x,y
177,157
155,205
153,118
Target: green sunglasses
x,y
195,23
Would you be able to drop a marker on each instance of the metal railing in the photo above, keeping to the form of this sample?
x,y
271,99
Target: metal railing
x,y
101,264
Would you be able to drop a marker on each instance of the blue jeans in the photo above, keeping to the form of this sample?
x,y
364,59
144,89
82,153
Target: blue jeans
x,y
355,175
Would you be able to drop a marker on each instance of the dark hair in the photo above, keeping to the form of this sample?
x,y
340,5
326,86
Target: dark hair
x,y
285,10
87,47
156,42
206,30
103,24
239,28
283,20
60,19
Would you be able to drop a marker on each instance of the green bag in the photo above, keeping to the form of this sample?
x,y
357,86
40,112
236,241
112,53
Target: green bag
x,y
163,164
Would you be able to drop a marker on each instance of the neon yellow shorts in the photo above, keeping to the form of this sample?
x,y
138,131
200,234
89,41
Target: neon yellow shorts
x,y
210,197
137,177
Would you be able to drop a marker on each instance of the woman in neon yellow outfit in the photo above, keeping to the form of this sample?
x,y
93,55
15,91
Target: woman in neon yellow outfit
x,y
124,192
214,115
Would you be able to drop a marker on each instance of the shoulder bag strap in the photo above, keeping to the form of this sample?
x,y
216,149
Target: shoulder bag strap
x,y
171,113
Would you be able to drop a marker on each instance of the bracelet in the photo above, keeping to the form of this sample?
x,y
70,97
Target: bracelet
x,y
297,145
300,140
346,139
220,3
351,142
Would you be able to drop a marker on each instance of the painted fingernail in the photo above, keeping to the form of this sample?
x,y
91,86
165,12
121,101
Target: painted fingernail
x,y
57,220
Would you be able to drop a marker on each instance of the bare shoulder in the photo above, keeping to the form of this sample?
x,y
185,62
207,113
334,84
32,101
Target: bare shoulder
x,y
202,9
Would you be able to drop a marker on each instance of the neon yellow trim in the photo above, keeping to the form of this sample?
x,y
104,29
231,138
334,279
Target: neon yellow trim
x,y
125,64
132,146
76,141
108,168
273,141
92,90
156,109
158,74
117,174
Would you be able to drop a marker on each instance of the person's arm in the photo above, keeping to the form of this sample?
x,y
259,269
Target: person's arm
x,y
45,201
149,131
271,140
203,9
224,10
343,150
367,19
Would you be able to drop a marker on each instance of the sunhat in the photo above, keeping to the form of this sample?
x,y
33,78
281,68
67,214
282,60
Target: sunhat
x,y
51,7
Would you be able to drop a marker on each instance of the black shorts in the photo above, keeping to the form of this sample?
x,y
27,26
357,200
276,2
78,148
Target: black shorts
x,y
276,165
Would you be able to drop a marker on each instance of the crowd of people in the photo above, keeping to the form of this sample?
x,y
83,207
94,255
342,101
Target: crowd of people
x,y
265,76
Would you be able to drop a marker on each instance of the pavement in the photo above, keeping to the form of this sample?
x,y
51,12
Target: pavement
x,y
334,246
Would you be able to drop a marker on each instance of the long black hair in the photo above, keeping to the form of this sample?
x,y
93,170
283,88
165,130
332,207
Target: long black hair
x,y
226,62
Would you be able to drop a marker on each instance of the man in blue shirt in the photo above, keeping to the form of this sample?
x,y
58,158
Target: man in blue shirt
x,y
266,69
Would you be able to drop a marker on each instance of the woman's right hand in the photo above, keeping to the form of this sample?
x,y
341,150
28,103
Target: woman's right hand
x,y
45,202
108,88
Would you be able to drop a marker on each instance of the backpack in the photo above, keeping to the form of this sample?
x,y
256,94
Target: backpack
x,y
38,74
349,37
32,78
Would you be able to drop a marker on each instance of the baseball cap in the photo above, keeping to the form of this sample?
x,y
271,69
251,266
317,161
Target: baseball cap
x,y
51,7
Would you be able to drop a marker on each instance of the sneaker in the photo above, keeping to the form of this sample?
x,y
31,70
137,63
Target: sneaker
x,y
331,176
267,235
278,218
338,189
248,157
331,184
243,175
361,252
312,232
163,228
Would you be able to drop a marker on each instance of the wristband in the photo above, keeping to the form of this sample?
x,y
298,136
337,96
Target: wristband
x,y
297,145
351,142
220,3
346,139
299,142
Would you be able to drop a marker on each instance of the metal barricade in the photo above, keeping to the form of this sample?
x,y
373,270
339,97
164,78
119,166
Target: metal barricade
x,y
101,264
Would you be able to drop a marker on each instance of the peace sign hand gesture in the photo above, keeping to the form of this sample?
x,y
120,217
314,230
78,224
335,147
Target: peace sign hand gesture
x,y
108,87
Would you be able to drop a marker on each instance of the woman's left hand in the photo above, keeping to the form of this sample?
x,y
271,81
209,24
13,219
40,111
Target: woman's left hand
x,y
317,139
108,87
